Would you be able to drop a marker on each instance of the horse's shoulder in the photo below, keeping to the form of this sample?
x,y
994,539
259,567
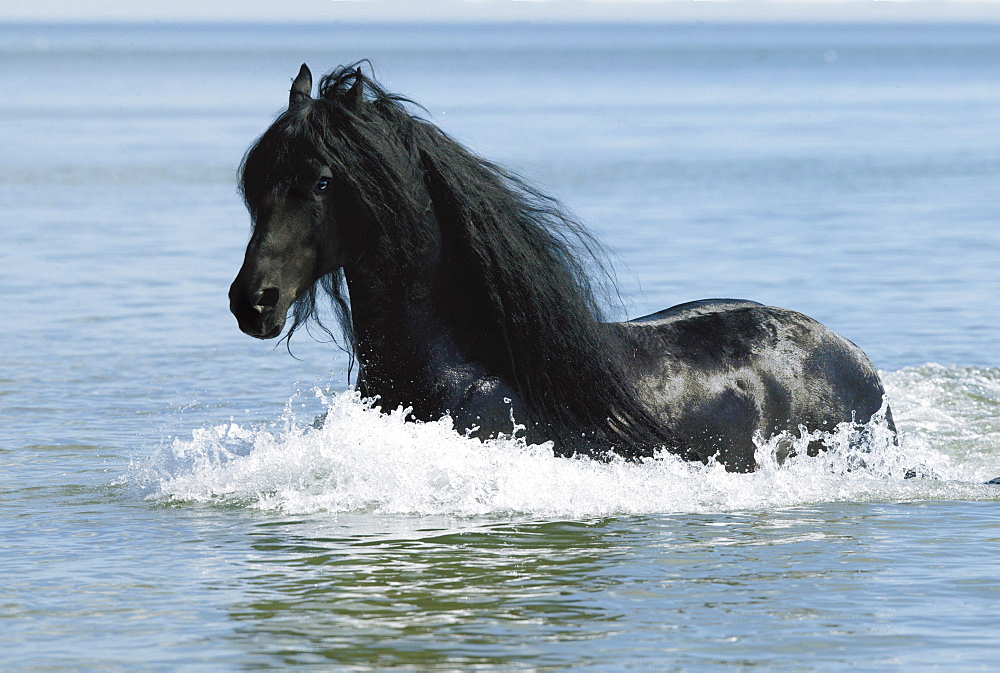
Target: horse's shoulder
x,y
693,309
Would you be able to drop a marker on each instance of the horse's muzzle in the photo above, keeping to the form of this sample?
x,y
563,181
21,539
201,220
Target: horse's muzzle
x,y
257,315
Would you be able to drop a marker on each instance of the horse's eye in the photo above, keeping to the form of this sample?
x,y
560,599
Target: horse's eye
x,y
323,184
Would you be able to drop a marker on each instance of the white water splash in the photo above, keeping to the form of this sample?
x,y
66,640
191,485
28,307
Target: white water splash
x,y
364,461
956,410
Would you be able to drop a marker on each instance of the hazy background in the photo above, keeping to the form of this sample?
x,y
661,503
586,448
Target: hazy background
x,y
500,10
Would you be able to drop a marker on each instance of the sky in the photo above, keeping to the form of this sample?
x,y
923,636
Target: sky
x,y
498,10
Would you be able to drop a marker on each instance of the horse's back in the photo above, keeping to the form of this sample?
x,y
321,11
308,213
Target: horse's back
x,y
722,371
693,309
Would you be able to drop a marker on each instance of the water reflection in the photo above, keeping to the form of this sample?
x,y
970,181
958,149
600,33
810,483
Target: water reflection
x,y
467,595
707,588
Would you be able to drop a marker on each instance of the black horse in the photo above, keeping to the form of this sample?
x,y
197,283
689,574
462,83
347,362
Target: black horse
x,y
467,294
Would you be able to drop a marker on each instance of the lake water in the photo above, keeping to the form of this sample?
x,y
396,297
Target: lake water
x,y
164,504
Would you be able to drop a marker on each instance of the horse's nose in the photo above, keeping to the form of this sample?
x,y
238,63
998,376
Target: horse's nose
x,y
266,299
256,310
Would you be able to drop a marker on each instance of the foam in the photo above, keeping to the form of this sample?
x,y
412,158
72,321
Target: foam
x,y
364,461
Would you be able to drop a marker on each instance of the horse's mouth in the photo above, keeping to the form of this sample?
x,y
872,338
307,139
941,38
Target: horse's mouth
x,y
275,331
262,331
264,325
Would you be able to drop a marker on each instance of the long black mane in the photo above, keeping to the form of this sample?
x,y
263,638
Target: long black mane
x,y
516,267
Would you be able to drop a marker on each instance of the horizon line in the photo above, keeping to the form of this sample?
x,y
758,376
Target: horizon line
x,y
399,12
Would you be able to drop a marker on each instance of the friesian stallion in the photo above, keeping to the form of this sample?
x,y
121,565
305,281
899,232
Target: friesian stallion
x,y
464,291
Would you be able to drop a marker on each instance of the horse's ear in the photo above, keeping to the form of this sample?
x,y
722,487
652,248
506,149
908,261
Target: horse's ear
x,y
301,87
356,94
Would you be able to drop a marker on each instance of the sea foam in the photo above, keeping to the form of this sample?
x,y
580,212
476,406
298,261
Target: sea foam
x,y
362,460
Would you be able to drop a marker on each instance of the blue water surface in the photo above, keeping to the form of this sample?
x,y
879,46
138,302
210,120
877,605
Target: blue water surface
x,y
165,506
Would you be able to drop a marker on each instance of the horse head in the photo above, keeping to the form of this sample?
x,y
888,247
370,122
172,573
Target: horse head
x,y
289,191
337,181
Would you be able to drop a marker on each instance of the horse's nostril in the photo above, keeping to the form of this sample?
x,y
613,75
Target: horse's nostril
x,y
267,299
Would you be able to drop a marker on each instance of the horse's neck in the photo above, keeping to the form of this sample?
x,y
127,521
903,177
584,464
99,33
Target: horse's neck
x,y
408,354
